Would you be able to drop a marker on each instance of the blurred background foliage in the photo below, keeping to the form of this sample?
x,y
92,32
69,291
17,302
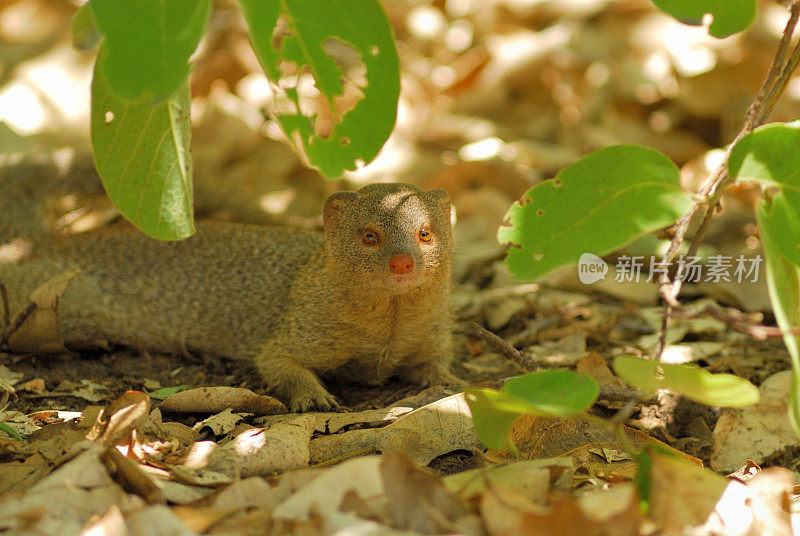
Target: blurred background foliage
x,y
497,95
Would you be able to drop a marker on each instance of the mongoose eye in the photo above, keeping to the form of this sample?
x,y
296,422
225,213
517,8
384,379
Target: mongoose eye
x,y
370,237
425,235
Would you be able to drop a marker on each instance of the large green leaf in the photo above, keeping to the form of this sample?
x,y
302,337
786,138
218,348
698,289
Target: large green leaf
x,y
597,205
558,393
729,16
770,155
148,42
689,380
141,151
304,28
493,413
783,282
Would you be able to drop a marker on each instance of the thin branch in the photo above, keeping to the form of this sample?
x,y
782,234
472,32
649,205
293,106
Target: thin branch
x,y
774,83
6,307
479,332
16,323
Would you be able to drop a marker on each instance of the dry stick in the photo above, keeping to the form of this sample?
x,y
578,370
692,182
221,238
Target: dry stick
x,y
527,365
6,308
16,323
479,332
775,82
747,323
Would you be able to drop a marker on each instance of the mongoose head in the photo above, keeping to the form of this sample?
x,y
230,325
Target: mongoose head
x,y
393,237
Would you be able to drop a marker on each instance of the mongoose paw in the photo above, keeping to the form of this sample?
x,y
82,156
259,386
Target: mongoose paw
x,y
316,399
437,374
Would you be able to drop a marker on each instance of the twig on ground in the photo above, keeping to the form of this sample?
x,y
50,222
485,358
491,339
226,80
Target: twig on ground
x,y
6,307
16,323
479,332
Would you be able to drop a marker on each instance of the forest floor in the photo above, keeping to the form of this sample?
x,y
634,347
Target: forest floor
x,y
497,96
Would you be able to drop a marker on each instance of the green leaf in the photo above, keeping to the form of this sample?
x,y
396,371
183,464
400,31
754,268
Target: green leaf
x,y
493,413
598,204
148,42
729,16
141,151
166,392
770,155
691,381
557,392
783,282
291,35
11,432
85,34
644,479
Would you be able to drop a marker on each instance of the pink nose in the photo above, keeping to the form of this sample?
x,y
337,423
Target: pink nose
x,y
401,264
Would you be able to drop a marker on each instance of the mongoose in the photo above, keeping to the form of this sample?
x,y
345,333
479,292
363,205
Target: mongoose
x,y
369,299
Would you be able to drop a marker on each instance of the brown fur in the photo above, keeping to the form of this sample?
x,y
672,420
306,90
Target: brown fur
x,y
296,303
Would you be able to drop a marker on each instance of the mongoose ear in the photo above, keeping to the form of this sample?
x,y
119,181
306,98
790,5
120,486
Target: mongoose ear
x,y
440,197
334,209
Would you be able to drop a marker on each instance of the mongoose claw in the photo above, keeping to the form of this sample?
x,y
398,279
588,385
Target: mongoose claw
x,y
320,400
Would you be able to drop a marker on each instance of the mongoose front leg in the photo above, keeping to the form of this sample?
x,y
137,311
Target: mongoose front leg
x,y
295,383
431,373
432,368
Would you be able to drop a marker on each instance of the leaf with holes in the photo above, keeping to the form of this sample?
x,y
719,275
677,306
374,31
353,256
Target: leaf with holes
x,y
598,204
728,16
691,381
783,282
148,43
335,63
141,151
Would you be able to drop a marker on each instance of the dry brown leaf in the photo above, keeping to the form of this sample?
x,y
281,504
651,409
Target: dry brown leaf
x,y
20,475
131,476
220,424
258,451
419,501
502,509
219,398
156,520
683,495
121,418
250,492
38,333
593,364
67,499
177,493
530,478
330,423
199,519
35,385
610,513
545,437
112,523
422,435
325,492
754,432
